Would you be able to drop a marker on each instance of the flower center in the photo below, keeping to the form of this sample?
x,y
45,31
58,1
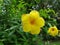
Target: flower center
x,y
32,21
53,29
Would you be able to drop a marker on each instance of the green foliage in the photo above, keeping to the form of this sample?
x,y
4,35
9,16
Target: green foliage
x,y
11,32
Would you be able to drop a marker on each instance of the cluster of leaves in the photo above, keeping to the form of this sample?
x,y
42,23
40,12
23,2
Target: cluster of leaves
x,y
11,32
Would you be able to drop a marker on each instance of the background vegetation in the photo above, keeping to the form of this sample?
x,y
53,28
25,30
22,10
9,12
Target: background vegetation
x,y
11,32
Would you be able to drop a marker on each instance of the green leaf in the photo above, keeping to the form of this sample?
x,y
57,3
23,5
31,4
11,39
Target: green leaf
x,y
1,43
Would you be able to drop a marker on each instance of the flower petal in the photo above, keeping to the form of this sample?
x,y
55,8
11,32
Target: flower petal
x,y
40,22
25,23
26,28
35,30
34,14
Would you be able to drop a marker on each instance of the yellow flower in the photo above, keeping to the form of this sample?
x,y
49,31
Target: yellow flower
x,y
32,22
53,31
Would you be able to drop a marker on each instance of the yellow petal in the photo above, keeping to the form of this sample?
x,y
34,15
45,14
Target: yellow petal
x,y
40,22
34,14
25,17
25,23
26,28
35,30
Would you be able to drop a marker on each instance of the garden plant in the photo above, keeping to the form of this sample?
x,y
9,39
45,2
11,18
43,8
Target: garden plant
x,y
29,22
